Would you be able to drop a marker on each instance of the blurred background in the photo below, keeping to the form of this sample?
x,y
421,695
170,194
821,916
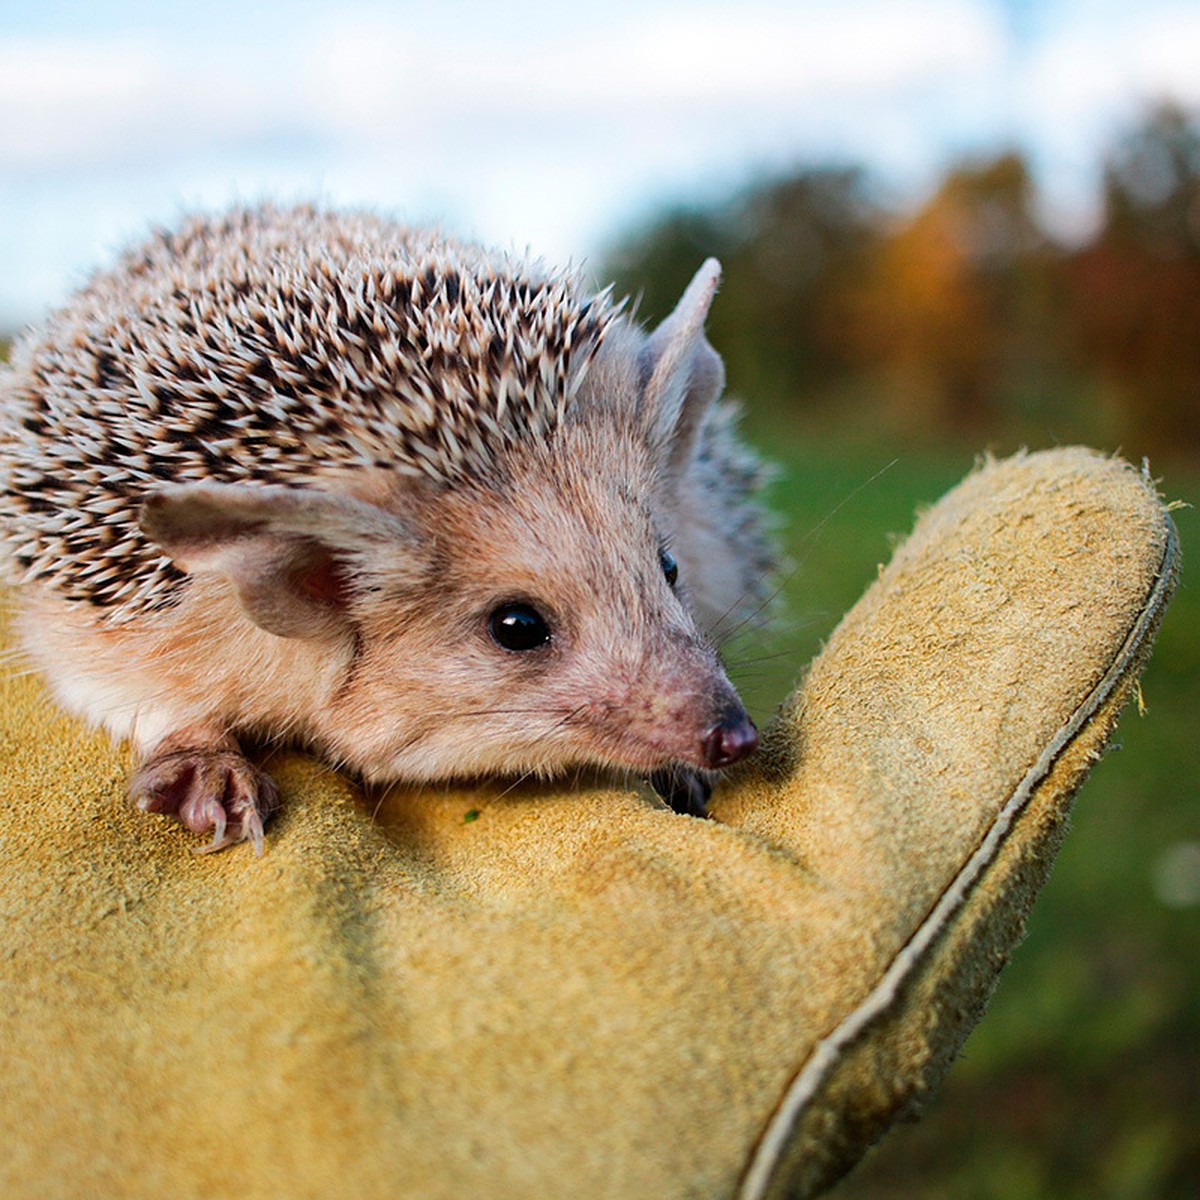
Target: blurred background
x,y
947,226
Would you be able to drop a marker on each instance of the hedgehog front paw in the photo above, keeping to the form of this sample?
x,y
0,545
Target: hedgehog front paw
x,y
208,789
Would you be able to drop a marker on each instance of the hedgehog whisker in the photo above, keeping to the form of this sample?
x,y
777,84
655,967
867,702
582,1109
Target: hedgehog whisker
x,y
739,664
533,711
796,566
534,772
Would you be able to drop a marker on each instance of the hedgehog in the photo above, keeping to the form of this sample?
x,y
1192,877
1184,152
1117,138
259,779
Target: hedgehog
x,y
434,511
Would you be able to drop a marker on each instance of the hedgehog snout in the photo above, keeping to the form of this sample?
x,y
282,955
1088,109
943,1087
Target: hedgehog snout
x,y
732,738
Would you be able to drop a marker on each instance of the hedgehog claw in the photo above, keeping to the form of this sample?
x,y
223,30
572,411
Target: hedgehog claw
x,y
208,789
217,843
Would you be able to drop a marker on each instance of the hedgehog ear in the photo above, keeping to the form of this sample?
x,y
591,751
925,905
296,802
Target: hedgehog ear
x,y
685,374
290,552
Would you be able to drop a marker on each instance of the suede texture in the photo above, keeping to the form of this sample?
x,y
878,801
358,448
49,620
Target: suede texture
x,y
515,991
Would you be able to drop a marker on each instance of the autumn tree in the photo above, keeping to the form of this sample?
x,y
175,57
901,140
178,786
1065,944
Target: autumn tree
x,y
960,316
794,251
1136,286
956,312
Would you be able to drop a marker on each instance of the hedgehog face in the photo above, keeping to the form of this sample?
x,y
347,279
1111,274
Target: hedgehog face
x,y
551,629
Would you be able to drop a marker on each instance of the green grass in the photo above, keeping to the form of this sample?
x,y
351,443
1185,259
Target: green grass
x,y
1083,1080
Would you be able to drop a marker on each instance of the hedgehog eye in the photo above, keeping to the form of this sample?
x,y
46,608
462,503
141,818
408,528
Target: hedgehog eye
x,y
670,567
518,627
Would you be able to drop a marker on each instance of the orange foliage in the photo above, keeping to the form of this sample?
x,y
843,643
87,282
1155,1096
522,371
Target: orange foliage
x,y
961,316
946,310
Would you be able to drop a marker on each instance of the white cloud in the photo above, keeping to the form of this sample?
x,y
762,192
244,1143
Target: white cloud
x,y
1092,79
1084,80
703,62
525,122
394,78
867,49
66,100
511,126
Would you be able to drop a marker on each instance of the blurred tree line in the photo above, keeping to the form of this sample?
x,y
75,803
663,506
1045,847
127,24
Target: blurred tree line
x,y
962,317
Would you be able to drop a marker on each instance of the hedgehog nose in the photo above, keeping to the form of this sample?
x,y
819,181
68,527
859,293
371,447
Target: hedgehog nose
x,y
732,738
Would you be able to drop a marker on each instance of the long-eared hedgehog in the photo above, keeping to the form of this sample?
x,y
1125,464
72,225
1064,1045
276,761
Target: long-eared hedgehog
x,y
433,510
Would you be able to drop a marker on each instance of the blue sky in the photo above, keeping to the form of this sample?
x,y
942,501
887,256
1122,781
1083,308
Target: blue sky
x,y
542,125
